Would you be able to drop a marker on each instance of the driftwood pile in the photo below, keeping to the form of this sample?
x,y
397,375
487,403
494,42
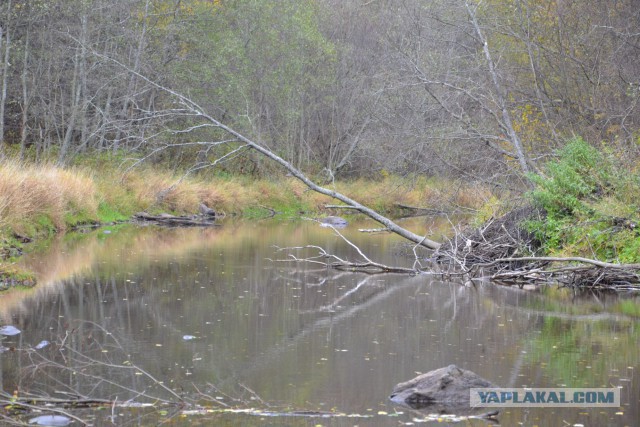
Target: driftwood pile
x,y
503,237
574,272
503,250
506,250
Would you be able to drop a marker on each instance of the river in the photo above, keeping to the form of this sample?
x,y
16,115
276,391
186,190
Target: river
x,y
222,319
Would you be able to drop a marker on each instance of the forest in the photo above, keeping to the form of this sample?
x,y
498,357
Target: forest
x,y
483,90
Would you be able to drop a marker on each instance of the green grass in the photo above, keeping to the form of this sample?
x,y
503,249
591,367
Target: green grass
x,y
109,214
13,278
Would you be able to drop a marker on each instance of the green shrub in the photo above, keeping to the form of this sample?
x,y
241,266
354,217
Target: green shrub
x,y
584,194
580,173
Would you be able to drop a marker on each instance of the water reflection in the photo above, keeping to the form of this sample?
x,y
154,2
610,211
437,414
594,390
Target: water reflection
x,y
298,336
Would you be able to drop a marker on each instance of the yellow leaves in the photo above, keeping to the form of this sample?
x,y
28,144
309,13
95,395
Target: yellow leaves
x,y
529,124
164,12
199,6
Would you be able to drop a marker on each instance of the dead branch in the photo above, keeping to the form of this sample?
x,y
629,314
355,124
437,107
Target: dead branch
x,y
420,211
594,275
339,207
373,230
594,262
52,401
333,261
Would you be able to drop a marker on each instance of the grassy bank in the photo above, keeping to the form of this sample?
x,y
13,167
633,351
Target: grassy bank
x,y
40,200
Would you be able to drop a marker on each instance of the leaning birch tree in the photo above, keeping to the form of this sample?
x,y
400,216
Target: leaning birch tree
x,y
237,142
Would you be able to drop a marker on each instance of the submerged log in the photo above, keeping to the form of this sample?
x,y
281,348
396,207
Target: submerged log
x,y
174,221
445,388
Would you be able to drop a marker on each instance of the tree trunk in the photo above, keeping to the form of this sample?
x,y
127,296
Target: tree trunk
x,y
83,83
5,73
4,69
499,93
25,98
104,123
73,114
393,227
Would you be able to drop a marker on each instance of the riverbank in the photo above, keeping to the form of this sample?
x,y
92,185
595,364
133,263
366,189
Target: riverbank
x,y
582,206
38,201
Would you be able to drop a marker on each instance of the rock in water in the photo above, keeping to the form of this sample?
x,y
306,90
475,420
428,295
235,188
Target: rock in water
x,y
51,420
444,387
206,210
9,330
334,221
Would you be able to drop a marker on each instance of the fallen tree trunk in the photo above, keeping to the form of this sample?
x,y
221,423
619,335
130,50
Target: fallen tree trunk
x,y
393,227
192,108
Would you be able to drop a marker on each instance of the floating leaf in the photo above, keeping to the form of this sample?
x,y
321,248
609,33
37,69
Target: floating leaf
x,y
9,330
42,344
51,420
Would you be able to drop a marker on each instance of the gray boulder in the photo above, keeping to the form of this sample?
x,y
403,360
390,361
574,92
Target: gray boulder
x,y
443,388
206,210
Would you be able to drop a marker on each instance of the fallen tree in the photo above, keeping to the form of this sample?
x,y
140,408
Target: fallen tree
x,y
191,109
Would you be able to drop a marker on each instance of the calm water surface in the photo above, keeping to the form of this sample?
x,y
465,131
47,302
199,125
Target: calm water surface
x,y
220,315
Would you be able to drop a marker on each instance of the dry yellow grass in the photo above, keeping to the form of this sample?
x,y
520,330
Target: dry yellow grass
x,y
27,192
158,190
431,194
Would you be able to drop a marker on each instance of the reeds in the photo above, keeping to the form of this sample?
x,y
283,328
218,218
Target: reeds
x,y
43,193
33,197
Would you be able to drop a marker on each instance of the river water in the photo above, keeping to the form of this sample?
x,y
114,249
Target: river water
x,y
221,318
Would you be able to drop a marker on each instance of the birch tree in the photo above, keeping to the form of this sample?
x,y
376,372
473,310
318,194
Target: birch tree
x,y
6,31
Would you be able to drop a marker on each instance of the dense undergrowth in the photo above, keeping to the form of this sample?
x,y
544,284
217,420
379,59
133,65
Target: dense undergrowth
x,y
592,205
